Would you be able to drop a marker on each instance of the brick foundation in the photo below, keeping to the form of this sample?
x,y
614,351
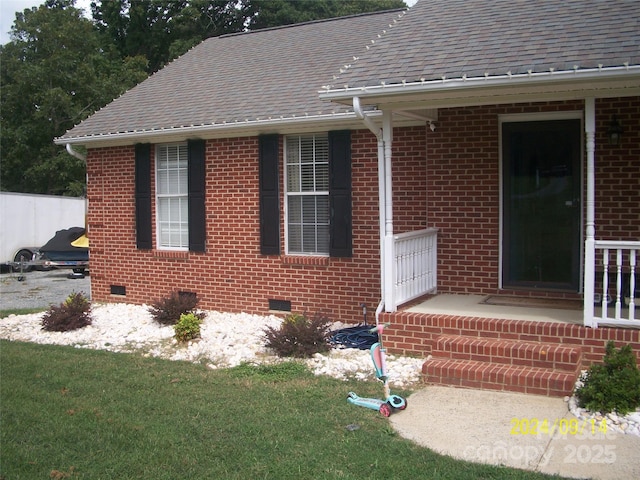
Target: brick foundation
x,y
418,334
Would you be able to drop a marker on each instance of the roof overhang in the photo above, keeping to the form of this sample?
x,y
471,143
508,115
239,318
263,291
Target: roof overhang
x,y
249,128
488,90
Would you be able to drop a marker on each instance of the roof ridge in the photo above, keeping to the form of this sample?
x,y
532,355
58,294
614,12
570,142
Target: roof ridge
x,y
311,22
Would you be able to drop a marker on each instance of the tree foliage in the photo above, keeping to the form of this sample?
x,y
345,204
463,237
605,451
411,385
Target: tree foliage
x,y
54,73
161,30
60,67
272,13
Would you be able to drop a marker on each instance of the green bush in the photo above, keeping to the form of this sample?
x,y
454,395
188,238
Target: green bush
x,y
299,336
188,327
167,310
613,385
73,313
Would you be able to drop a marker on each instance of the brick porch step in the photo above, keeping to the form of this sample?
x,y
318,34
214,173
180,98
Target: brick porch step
x,y
509,352
498,376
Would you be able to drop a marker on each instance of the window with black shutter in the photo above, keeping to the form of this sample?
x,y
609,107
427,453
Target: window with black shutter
x,y
318,194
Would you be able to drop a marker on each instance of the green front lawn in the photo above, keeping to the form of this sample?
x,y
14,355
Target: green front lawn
x,y
84,414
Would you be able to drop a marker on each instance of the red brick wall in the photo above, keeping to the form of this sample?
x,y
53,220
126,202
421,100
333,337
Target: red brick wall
x,y
618,171
232,275
447,179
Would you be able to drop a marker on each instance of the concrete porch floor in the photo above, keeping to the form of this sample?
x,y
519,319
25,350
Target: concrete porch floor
x,y
472,306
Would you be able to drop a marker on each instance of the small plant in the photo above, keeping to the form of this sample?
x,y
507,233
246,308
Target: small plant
x,y
188,327
299,336
73,313
167,310
613,385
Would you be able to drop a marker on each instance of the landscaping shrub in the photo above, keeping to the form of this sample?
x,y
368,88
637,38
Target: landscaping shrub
x,y
613,385
73,313
188,327
167,310
299,336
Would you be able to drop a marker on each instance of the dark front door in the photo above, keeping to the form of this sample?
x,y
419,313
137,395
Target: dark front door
x,y
541,204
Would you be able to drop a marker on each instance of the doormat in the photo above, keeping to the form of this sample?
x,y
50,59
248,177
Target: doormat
x,y
506,301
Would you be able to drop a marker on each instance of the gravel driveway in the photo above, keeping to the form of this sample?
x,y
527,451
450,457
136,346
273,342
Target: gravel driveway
x,y
39,289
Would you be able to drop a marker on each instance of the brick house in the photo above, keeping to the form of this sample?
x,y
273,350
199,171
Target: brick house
x,y
387,160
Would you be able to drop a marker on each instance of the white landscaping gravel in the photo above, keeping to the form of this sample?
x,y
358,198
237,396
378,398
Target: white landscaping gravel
x,y
227,340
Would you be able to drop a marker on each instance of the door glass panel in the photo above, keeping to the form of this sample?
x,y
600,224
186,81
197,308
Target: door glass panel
x,y
541,199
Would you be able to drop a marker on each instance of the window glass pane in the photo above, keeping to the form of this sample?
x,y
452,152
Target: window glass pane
x,y
309,210
323,238
293,178
309,238
322,209
295,238
295,209
307,180
293,150
322,176
163,209
172,195
307,170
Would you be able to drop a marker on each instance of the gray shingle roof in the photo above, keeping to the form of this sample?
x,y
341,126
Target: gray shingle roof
x,y
267,73
474,38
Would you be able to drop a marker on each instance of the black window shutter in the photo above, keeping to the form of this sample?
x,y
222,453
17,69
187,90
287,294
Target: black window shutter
x,y
269,146
143,195
340,242
196,178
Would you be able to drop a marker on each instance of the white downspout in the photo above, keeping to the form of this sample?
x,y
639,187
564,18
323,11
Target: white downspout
x,y
381,194
76,154
590,245
82,157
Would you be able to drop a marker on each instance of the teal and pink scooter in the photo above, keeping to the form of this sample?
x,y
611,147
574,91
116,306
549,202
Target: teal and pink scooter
x,y
390,402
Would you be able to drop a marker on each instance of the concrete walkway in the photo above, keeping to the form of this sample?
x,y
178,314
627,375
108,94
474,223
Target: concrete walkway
x,y
517,430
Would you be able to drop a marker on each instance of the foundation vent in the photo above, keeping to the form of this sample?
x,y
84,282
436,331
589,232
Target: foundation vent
x,y
119,290
279,305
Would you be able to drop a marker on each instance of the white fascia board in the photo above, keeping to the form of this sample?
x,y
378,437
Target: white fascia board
x,y
295,124
628,77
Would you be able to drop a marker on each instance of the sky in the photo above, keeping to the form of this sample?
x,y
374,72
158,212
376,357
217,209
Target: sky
x,y
8,9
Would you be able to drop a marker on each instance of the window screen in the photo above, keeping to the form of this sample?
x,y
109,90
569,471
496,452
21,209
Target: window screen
x,y
307,191
172,196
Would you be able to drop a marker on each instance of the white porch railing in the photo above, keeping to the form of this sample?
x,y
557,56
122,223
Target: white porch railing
x,y
415,255
616,282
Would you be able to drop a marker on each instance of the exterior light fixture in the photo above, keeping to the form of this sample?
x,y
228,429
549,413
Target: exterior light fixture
x,y
614,132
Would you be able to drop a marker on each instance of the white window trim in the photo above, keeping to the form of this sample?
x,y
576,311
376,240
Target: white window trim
x,y
298,194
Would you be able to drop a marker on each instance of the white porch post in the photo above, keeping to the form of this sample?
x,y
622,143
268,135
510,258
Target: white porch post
x,y
589,247
389,254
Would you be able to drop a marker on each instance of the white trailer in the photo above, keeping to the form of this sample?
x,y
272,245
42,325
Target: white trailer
x,y
28,221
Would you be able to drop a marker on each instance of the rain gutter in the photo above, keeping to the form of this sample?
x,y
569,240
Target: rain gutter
x,y
497,81
252,127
